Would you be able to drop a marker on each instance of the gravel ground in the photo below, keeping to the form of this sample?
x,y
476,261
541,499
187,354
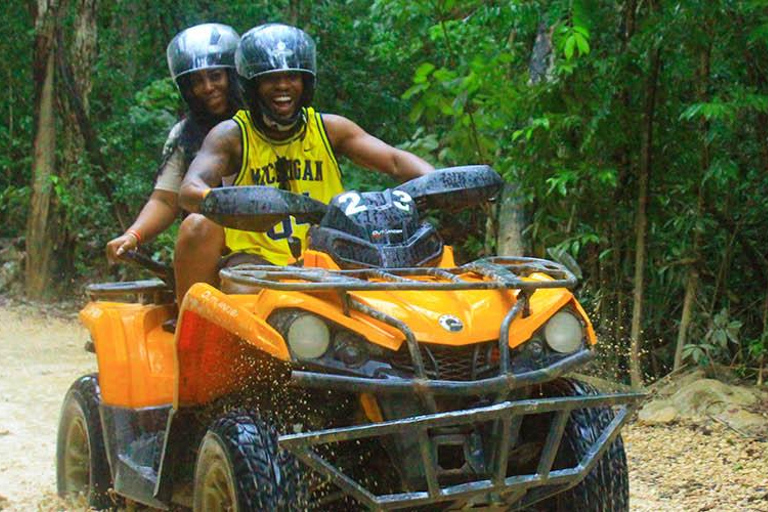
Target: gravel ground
x,y
696,467
682,467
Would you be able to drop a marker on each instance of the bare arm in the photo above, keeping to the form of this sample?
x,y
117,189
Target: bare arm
x,y
159,213
218,157
364,149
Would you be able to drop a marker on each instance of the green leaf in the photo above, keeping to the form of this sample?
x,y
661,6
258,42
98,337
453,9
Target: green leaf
x,y
444,75
423,72
581,30
582,43
416,113
720,338
570,44
414,89
604,254
445,107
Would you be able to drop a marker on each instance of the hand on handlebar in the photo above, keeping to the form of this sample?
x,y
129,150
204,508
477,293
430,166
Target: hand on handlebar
x,y
117,247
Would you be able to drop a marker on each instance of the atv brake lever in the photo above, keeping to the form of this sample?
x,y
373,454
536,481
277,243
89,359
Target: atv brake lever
x,y
160,270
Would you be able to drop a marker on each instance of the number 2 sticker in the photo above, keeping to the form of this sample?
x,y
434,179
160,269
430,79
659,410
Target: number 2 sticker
x,y
354,206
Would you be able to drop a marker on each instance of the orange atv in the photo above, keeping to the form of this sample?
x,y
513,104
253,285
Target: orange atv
x,y
375,373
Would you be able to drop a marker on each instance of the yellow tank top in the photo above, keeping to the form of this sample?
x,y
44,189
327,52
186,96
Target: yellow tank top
x,y
308,166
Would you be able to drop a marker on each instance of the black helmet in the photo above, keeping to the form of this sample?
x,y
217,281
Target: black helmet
x,y
206,46
210,45
274,48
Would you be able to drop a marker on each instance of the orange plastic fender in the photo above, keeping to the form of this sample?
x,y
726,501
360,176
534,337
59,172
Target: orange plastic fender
x,y
214,338
135,355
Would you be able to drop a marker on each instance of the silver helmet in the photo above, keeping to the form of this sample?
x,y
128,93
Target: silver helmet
x,y
210,45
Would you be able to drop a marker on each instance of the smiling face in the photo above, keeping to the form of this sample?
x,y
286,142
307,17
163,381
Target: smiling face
x,y
210,87
281,93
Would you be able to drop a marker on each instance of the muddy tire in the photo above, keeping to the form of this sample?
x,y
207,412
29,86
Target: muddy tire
x,y
240,468
81,460
606,487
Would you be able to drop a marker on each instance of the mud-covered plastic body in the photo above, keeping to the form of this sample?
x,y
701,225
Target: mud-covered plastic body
x,y
433,365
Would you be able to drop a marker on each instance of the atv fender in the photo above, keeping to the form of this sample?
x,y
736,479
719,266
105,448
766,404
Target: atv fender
x,y
134,354
214,335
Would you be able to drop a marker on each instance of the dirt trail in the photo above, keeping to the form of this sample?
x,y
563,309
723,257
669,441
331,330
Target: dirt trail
x,y
41,355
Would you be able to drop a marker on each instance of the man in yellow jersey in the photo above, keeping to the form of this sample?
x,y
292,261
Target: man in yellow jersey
x,y
280,141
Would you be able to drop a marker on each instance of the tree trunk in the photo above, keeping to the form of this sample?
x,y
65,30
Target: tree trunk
x,y
75,60
764,335
512,222
41,224
11,101
685,319
693,274
616,228
641,219
542,59
511,213
77,106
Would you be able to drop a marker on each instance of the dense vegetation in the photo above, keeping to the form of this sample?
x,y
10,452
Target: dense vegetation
x,y
635,134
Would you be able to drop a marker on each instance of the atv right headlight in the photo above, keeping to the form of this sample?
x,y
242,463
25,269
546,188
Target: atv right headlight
x,y
564,332
308,336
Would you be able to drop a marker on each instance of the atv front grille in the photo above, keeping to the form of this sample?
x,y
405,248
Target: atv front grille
x,y
447,362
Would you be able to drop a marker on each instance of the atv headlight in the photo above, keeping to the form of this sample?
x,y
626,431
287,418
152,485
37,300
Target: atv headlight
x,y
308,336
563,332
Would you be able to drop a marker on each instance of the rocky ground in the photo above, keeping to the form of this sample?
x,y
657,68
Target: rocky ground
x,y
684,463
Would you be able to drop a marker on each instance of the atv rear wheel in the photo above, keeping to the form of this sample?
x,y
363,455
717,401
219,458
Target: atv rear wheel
x,y
81,460
606,487
240,468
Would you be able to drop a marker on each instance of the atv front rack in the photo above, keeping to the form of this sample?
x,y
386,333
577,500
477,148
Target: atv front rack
x,y
495,273
507,417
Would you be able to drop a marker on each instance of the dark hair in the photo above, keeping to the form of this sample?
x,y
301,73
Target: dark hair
x,y
199,121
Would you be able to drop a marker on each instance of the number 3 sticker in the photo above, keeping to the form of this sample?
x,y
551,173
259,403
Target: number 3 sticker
x,y
404,202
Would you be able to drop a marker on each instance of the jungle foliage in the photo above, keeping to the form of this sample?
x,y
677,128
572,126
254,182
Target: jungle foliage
x,y
670,92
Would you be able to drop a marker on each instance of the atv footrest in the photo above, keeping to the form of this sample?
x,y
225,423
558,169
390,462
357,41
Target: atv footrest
x,y
506,417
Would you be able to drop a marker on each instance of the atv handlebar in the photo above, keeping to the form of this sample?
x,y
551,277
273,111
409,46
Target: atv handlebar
x,y
259,207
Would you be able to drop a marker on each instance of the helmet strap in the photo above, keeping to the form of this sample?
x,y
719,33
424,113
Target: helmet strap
x,y
272,124
285,126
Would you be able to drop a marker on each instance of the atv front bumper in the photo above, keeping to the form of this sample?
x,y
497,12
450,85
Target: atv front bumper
x,y
494,487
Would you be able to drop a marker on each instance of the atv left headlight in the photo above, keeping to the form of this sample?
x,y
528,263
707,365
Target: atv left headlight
x,y
308,336
564,332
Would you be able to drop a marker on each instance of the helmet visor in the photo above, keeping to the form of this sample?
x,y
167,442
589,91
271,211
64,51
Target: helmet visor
x,y
274,48
211,45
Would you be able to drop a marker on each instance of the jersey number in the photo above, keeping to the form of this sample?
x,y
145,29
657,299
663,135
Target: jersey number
x,y
287,227
285,232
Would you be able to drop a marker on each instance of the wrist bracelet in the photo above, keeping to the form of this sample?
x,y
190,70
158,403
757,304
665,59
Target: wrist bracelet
x,y
135,234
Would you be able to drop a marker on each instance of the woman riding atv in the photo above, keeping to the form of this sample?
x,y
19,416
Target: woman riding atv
x,y
201,60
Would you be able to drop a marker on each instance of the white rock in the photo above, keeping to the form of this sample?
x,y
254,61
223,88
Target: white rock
x,y
709,396
660,411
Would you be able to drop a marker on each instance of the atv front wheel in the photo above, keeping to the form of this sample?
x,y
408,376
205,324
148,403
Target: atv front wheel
x,y
240,468
606,487
81,460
